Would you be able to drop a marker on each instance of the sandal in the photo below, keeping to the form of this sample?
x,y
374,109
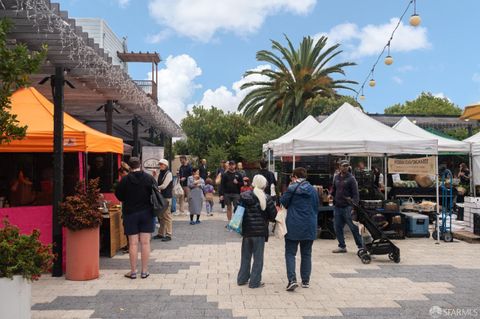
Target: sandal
x,y
145,275
131,275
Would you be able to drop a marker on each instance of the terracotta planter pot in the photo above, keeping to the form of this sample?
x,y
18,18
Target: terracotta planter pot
x,y
15,298
83,254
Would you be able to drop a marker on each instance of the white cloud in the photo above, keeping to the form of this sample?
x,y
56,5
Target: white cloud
x,y
397,80
123,3
159,37
371,39
441,95
228,100
176,84
201,19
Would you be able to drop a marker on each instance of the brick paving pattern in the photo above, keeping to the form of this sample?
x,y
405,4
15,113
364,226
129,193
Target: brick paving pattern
x,y
194,276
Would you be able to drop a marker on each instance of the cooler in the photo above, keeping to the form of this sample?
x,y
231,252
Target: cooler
x,y
417,225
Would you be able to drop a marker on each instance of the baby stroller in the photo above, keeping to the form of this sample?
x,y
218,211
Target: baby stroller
x,y
380,244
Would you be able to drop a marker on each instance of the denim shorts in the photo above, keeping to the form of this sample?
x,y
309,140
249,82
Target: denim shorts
x,y
138,222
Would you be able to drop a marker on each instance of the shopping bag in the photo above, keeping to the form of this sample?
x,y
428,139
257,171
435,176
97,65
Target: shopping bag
x,y
236,222
280,223
178,190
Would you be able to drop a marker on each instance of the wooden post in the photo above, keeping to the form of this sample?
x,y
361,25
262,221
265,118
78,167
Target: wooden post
x,y
58,84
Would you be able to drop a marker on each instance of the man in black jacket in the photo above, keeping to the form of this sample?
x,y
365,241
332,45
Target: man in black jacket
x,y
259,210
134,191
345,188
230,188
184,172
269,176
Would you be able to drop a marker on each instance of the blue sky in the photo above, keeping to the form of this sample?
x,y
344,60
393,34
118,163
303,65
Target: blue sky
x,y
207,45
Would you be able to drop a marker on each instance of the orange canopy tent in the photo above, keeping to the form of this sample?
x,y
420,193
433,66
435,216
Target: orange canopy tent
x,y
35,111
471,112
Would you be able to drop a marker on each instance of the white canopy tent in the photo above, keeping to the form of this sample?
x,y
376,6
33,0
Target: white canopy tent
x,y
303,129
350,131
474,142
446,145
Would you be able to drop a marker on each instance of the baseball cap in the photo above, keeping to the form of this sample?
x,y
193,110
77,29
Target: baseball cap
x,y
164,162
231,162
344,162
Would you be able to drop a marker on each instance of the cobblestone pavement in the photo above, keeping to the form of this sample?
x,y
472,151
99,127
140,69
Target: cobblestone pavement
x,y
194,276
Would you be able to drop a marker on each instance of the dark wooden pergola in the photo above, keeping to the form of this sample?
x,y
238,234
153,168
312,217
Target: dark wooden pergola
x,y
96,79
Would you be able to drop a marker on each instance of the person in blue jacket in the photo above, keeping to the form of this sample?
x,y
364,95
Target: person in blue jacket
x,y
301,201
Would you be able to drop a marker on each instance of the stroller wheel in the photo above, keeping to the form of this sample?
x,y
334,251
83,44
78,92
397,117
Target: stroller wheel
x,y
394,257
434,235
448,237
361,252
366,259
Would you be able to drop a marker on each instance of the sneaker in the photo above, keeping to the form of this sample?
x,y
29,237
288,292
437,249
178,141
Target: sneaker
x,y
166,238
292,285
176,214
192,223
305,284
198,222
158,237
224,210
339,250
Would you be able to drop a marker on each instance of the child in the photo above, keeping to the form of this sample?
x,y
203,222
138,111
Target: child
x,y
208,191
246,185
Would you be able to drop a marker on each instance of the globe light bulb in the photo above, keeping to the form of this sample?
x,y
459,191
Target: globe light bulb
x,y
389,60
415,20
362,97
372,83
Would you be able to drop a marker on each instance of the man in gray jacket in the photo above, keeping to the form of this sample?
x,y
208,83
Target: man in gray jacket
x,y
345,188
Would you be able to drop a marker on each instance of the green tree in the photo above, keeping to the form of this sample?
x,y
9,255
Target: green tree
x,y
210,127
322,105
16,63
425,104
297,76
250,146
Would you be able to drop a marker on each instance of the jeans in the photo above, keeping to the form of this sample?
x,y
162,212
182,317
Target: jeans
x,y
291,247
342,216
251,247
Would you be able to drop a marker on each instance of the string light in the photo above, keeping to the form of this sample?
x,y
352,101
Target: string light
x,y
415,19
45,19
388,59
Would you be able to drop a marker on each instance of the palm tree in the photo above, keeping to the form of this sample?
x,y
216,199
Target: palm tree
x,y
297,75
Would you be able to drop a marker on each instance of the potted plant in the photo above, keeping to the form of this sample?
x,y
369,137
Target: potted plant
x,y
23,258
81,216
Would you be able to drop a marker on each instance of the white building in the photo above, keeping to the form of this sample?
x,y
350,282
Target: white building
x,y
101,34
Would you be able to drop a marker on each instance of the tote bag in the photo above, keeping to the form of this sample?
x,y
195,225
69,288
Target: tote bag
x,y
280,223
236,222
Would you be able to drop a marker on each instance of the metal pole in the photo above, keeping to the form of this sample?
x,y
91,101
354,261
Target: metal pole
x,y
438,200
385,177
136,151
472,173
293,161
57,270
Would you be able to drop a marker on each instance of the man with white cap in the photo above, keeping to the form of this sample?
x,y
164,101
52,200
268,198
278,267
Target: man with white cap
x,y
165,185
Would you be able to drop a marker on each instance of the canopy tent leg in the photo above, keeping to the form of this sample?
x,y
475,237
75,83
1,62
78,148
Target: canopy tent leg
x,y
293,160
472,175
438,199
385,177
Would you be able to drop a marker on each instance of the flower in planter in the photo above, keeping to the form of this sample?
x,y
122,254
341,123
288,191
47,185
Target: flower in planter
x,y
80,211
23,255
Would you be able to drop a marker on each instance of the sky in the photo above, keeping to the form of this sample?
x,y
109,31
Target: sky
x,y
207,45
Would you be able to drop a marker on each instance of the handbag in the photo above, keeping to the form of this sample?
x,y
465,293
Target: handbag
x,y
236,222
178,190
159,204
280,229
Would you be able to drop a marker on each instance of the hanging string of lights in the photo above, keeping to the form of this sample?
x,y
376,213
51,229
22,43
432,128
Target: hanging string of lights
x,y
88,60
415,20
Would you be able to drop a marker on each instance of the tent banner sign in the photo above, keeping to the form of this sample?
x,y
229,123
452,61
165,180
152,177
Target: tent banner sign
x,y
422,165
